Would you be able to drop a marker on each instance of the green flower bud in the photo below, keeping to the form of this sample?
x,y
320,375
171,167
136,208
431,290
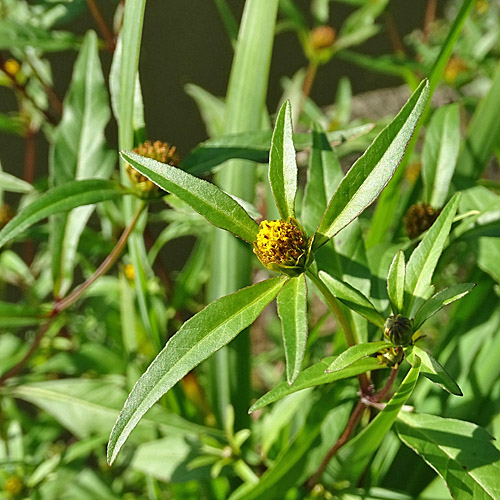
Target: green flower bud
x,y
399,330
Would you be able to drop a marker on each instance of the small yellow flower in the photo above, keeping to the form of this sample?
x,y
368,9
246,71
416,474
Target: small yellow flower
x,y
282,246
159,151
482,6
129,272
11,67
455,67
13,485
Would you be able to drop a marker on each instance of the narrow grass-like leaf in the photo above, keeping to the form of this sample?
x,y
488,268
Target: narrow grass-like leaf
x,y
14,184
88,407
396,282
19,315
216,206
199,337
440,154
425,257
352,298
282,164
433,370
370,174
354,456
231,263
254,146
355,353
317,375
482,137
292,309
61,199
460,452
79,152
438,301
323,176
116,91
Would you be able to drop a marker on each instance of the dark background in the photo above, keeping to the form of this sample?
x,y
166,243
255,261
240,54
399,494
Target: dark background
x,y
185,41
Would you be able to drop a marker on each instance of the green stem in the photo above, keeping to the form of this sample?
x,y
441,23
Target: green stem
x,y
350,333
231,269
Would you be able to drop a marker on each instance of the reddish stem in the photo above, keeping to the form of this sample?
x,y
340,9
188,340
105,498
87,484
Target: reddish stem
x,y
350,427
102,25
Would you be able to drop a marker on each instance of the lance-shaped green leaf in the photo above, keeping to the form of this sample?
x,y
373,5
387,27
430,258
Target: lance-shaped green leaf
x,y
440,154
79,152
438,301
198,338
352,298
254,146
396,282
14,34
61,199
207,199
425,257
323,176
317,375
462,453
292,310
432,370
355,353
282,164
14,184
371,173
352,459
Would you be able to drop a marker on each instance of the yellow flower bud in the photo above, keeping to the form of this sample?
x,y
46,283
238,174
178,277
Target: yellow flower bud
x,y
159,151
282,246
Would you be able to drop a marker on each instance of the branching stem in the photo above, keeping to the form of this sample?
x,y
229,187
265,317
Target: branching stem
x,y
75,295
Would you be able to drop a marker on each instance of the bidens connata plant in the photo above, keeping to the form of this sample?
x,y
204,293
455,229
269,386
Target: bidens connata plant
x,y
281,245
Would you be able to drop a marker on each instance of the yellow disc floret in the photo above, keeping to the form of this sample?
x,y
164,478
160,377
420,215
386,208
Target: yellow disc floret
x,y
280,245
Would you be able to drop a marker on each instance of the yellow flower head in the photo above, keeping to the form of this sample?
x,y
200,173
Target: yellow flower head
x,y
13,485
159,151
281,246
12,67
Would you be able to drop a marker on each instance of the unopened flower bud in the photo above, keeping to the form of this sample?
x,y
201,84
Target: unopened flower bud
x,y
419,218
282,246
159,151
399,330
322,37
11,67
390,357
13,486
6,214
455,67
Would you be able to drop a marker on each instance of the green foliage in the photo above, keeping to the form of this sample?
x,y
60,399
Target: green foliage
x,y
136,323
